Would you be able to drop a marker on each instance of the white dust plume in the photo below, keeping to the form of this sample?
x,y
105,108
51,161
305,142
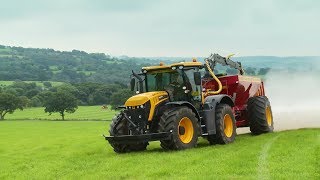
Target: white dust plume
x,y
295,99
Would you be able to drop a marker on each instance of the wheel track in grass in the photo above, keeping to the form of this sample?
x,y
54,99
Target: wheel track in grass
x,y
263,170
318,158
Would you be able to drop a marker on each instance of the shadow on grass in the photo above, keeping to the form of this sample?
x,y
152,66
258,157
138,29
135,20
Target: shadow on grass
x,y
202,143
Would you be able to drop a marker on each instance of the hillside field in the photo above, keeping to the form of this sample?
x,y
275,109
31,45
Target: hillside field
x,y
76,150
82,113
38,83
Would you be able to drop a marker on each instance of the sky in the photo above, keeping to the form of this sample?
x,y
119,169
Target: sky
x,y
171,28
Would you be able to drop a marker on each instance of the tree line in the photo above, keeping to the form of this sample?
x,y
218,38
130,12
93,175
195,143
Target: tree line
x,y
60,99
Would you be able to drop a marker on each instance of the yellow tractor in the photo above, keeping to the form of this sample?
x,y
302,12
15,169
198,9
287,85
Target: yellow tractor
x,y
177,103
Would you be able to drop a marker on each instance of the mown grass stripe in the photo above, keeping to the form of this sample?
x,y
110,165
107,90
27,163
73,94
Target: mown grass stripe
x,y
263,169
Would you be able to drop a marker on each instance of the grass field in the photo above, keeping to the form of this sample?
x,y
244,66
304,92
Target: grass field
x,y
76,150
82,113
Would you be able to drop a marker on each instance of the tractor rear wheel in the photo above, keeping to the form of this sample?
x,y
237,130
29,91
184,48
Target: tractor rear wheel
x,y
183,124
260,115
119,127
225,126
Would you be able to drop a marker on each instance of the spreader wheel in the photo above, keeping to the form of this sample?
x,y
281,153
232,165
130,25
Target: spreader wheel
x,y
260,115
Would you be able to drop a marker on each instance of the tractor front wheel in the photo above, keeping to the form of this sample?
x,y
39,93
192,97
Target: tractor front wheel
x,y
183,125
119,127
225,126
260,115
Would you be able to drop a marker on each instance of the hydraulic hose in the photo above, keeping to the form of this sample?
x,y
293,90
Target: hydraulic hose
x,y
215,78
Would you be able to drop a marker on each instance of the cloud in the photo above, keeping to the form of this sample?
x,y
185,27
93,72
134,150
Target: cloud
x,y
164,28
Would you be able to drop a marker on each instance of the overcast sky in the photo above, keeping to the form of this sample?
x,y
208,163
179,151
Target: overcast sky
x,y
164,27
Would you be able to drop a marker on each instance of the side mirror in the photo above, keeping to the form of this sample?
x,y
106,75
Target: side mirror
x,y
197,78
132,83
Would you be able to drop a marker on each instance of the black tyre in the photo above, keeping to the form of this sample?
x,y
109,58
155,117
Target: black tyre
x,y
183,124
119,127
260,115
225,126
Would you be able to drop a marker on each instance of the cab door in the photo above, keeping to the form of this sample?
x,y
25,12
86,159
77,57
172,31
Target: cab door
x,y
192,90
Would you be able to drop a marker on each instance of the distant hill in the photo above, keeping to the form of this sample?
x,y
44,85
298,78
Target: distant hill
x,y
34,64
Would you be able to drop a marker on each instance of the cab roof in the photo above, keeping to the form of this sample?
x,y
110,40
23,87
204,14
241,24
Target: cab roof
x,y
194,63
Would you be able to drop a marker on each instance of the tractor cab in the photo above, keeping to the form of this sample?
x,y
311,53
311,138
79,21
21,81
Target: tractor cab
x,y
181,81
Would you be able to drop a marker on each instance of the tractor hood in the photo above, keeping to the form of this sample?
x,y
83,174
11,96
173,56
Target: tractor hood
x,y
155,98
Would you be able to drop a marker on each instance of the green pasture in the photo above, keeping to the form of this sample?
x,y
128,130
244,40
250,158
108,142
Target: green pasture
x,y
5,50
5,55
76,150
6,83
38,83
82,113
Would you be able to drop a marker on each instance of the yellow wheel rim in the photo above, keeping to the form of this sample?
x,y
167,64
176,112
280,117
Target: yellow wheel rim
x,y
228,125
269,115
185,130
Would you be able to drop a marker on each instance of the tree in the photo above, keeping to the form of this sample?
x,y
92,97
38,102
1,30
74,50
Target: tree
x,y
61,102
263,71
35,102
232,71
47,84
119,98
250,71
9,103
32,93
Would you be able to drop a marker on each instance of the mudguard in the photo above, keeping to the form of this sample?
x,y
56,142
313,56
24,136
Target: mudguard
x,y
209,110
